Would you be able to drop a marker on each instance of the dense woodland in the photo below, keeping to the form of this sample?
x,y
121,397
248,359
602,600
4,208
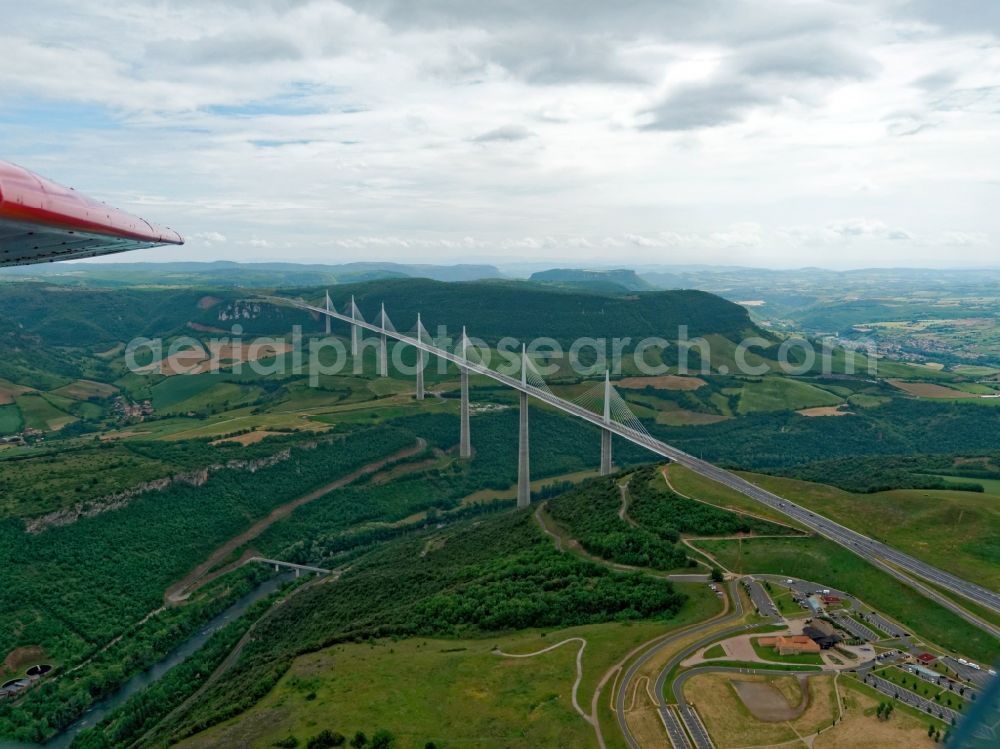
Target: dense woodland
x,y
590,515
656,508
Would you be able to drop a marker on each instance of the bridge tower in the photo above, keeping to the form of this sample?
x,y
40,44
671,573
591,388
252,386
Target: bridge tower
x,y
383,349
465,443
355,330
523,453
328,318
605,432
420,361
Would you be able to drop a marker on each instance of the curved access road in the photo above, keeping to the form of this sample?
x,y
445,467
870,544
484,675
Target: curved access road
x,y
630,674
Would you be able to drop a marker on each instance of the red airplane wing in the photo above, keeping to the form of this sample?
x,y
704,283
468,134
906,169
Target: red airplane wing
x,y
41,221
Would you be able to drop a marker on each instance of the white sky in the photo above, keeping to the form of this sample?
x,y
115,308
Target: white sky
x,y
783,134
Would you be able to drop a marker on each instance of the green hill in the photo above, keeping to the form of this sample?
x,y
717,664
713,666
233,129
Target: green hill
x,y
62,316
493,309
621,280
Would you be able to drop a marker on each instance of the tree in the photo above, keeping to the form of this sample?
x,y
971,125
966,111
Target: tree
x,y
716,575
325,740
383,739
359,740
430,745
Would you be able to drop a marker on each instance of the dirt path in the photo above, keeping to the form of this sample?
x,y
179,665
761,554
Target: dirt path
x,y
200,575
623,510
579,669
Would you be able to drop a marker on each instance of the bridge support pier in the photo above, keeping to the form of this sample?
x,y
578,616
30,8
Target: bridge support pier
x,y
465,441
606,433
523,457
523,449
605,452
421,362
383,349
420,375
355,331
328,318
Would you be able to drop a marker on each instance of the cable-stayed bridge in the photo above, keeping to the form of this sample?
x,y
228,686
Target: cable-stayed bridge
x,y
617,419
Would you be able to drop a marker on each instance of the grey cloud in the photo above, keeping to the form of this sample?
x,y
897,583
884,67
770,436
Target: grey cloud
x,y
679,20
508,133
936,81
226,49
961,16
719,103
806,57
757,75
558,41
544,58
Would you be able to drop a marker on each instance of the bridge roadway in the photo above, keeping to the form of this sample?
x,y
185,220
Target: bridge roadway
x,y
883,556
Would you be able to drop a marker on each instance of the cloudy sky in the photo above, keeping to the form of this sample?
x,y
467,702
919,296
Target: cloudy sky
x,y
584,132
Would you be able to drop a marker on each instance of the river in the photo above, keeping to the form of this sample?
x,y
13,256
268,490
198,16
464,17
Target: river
x,y
140,681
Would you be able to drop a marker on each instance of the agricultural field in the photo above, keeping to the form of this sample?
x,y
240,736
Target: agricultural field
x,y
783,394
84,389
10,419
39,413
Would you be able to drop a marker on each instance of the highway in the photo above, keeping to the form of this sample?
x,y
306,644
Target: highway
x,y
892,561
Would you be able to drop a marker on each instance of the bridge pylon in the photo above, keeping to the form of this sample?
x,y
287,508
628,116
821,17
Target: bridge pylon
x,y
355,330
465,442
605,432
328,318
421,362
523,451
383,348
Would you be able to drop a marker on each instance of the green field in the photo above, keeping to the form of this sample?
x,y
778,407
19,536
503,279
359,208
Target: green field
x,y
174,390
955,530
39,413
454,692
823,561
783,394
10,419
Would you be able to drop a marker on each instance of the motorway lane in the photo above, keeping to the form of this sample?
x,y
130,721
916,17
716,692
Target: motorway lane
x,y
675,732
874,551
